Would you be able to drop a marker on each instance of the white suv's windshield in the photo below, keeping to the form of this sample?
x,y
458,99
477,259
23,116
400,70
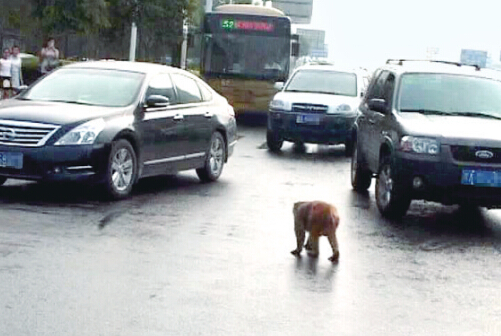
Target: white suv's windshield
x,y
318,81
99,87
449,94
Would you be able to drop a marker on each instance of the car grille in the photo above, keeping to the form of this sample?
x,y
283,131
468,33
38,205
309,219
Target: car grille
x,y
21,133
309,108
469,154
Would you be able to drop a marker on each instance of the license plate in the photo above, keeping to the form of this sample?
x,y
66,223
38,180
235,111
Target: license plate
x,y
312,119
11,160
483,178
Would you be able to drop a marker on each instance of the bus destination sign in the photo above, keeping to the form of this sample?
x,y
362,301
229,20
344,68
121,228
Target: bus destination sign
x,y
231,24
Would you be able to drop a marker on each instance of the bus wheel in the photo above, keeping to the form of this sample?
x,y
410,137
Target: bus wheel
x,y
274,141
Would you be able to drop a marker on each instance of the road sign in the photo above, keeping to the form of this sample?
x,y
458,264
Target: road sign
x,y
298,10
474,57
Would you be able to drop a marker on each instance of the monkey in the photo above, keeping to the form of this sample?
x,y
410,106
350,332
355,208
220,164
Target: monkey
x,y
319,219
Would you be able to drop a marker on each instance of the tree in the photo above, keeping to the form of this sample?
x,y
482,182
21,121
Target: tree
x,y
81,16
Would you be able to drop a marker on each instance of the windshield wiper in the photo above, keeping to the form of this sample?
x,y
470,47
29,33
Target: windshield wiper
x,y
476,114
427,111
70,102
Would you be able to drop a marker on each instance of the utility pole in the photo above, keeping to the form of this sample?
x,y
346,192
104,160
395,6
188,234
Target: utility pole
x,y
133,33
184,45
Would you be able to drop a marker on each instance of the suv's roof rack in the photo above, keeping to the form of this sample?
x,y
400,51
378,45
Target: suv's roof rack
x,y
401,61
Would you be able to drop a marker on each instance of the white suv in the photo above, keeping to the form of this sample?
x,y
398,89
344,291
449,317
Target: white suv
x,y
317,105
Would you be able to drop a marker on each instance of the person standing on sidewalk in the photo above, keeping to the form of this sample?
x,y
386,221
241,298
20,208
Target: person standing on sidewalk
x,y
5,74
49,57
17,75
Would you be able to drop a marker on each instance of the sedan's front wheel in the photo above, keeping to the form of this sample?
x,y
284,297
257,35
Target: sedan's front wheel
x,y
121,172
214,160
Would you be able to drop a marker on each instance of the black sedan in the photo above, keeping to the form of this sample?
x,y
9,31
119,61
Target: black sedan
x,y
112,123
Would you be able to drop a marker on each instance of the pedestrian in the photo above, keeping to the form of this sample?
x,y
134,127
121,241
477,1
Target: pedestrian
x,y
16,72
49,56
5,74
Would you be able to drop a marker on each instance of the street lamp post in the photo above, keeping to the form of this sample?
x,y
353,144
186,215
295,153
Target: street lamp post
x,y
133,33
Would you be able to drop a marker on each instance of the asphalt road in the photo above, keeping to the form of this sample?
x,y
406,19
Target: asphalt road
x,y
184,258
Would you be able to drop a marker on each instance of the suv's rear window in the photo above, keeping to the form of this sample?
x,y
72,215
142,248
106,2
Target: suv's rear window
x,y
449,93
330,82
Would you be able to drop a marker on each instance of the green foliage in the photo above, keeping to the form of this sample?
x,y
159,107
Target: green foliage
x,y
106,23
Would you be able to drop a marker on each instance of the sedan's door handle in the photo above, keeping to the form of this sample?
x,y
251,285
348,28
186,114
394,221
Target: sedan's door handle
x,y
208,114
178,117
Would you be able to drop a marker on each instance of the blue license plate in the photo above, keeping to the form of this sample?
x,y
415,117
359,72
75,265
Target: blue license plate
x,y
312,119
482,178
11,160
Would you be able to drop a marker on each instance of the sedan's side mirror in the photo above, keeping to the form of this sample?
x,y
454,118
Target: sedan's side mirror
x,y
378,105
278,86
157,101
23,88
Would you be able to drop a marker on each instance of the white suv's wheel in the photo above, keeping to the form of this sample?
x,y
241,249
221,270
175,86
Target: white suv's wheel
x,y
274,141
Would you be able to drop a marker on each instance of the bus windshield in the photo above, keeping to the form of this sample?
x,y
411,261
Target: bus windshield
x,y
243,46
248,56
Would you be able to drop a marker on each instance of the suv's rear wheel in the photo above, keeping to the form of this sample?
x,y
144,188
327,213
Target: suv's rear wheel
x,y
391,198
274,141
360,178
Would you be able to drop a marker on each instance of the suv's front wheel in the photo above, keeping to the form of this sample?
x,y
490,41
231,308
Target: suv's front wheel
x,y
391,197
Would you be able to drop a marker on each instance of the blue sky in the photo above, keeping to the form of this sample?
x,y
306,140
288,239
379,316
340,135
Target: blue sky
x,y
366,33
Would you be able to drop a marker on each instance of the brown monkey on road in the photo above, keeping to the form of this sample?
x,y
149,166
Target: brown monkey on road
x,y
319,219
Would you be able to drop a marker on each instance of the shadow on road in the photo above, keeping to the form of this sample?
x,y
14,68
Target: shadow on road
x,y
40,193
309,152
432,227
252,119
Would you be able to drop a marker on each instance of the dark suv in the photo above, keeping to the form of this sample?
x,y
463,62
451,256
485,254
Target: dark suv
x,y
429,130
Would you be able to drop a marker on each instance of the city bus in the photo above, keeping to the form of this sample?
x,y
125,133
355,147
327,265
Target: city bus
x,y
246,49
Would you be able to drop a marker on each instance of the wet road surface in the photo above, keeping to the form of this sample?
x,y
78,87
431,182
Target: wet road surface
x,y
184,258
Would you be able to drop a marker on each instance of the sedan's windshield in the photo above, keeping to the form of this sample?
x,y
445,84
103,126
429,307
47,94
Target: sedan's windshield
x,y
318,81
99,87
450,94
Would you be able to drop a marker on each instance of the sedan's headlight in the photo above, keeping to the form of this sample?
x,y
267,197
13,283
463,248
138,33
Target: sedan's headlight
x,y
419,145
84,134
278,105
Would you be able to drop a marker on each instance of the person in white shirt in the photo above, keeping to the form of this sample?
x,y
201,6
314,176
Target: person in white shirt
x,y
16,73
5,74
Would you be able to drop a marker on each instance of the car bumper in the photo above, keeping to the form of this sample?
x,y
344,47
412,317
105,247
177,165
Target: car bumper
x,y
327,129
58,163
441,179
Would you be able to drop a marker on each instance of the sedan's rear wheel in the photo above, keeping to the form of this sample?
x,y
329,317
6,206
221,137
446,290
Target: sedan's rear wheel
x,y
121,172
214,160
